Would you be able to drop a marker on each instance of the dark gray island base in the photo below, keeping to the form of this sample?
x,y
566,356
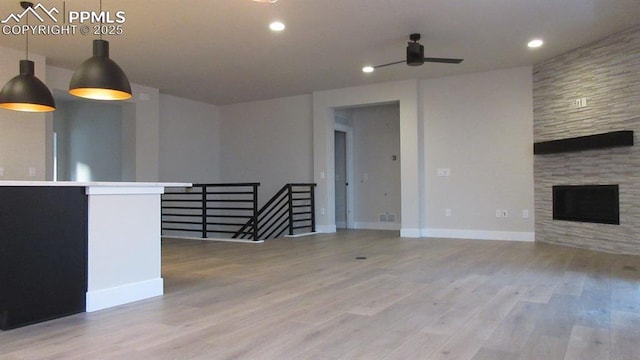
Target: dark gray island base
x,y
43,254
70,247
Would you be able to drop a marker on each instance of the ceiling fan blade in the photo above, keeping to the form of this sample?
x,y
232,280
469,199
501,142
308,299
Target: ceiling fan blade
x,y
443,60
392,63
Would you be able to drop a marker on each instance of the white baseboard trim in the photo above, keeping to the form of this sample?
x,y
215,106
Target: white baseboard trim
x,y
325,229
301,235
376,225
410,233
244,241
341,225
124,294
479,234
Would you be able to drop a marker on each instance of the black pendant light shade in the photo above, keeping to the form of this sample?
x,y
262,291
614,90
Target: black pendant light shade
x,y
99,77
25,92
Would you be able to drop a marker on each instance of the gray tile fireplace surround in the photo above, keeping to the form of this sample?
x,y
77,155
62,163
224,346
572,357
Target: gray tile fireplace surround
x,y
607,73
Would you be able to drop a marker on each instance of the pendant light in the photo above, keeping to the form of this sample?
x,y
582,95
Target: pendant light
x,y
99,77
25,92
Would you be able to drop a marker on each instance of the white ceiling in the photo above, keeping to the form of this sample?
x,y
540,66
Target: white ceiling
x,y
221,51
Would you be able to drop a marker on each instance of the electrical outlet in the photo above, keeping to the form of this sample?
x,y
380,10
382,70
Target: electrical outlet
x,y
505,213
32,171
525,214
498,213
580,103
447,212
1,171
321,211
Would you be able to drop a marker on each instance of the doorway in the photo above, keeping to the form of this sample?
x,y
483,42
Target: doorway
x,y
341,181
367,181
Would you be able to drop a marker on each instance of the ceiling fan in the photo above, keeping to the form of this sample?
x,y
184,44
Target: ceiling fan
x,y
415,56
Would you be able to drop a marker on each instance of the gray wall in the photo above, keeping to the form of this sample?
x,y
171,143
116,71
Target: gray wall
x,y
267,142
90,142
479,126
607,73
189,141
141,125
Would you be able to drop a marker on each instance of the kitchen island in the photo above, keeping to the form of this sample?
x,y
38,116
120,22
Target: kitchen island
x,y
69,247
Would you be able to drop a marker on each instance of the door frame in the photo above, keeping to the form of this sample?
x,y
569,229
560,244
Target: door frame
x,y
348,130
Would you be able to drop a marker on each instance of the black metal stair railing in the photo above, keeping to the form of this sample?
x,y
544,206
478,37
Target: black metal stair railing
x,y
211,209
231,210
290,210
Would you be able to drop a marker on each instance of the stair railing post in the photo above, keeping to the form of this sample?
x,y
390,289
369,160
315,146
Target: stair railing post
x,y
255,212
204,211
290,209
312,188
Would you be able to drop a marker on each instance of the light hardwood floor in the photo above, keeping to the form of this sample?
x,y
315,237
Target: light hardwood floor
x,y
309,298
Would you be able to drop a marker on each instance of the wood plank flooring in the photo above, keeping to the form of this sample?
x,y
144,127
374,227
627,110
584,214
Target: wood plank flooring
x,y
309,298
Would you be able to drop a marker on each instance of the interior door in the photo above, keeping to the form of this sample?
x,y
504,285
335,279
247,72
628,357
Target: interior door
x,y
341,180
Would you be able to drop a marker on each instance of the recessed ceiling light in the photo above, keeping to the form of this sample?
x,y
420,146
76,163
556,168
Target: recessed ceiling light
x,y
367,69
266,1
535,43
276,26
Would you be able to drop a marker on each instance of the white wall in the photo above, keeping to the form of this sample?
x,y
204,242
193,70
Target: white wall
x,y
22,135
376,184
480,127
268,142
189,141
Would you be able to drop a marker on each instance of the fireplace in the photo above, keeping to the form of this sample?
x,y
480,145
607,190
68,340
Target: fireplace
x,y
586,203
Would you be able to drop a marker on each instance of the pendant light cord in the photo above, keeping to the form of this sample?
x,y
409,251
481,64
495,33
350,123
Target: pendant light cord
x,y
100,19
27,50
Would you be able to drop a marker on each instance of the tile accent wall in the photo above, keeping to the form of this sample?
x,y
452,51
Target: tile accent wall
x,y
607,73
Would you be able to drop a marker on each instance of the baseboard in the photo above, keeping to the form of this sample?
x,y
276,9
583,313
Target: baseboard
x,y
410,233
479,234
106,298
244,241
376,225
341,225
301,235
325,229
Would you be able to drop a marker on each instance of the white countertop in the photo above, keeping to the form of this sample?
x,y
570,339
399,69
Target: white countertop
x,y
94,184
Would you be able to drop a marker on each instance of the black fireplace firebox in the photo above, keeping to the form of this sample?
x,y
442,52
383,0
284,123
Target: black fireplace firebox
x,y
586,203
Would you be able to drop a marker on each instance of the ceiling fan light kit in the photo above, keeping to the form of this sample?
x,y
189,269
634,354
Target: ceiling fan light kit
x,y
415,56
